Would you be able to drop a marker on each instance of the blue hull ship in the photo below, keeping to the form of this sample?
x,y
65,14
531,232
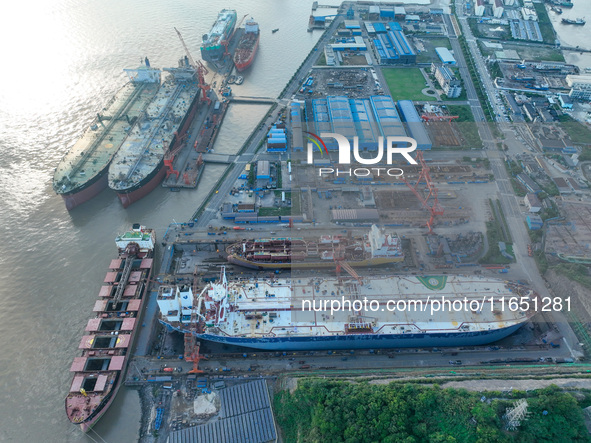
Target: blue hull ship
x,y
318,313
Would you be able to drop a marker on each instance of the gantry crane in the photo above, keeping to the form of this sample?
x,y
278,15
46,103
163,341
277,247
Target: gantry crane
x,y
436,208
226,42
199,68
191,344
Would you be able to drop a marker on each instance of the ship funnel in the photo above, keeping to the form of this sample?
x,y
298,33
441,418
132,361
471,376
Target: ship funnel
x,y
147,62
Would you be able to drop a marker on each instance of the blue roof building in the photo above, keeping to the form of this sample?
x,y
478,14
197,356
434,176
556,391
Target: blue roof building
x,y
414,124
445,56
394,48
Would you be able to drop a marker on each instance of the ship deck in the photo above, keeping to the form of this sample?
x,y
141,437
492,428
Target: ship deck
x,y
273,309
92,153
150,139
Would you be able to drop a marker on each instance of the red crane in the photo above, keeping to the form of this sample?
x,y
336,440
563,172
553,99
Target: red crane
x,y
226,42
438,118
191,344
199,68
435,208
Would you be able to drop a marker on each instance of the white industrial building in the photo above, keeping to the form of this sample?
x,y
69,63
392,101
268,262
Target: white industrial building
x,y
532,202
450,84
175,303
580,86
479,8
528,11
498,8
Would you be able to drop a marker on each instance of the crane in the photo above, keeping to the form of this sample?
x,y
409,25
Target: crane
x,y
436,208
192,346
226,42
339,259
199,68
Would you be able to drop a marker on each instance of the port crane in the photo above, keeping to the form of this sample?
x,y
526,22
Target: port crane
x,y
199,68
435,208
226,42
192,346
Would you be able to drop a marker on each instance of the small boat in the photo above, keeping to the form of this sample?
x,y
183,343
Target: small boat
x,y
578,21
556,9
275,30
239,80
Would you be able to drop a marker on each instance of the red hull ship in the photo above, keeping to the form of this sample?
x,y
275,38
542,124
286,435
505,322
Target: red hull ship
x,y
110,334
247,46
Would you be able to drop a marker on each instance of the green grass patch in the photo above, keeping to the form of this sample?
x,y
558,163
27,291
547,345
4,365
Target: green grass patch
x,y
405,83
463,111
575,272
577,132
264,212
546,27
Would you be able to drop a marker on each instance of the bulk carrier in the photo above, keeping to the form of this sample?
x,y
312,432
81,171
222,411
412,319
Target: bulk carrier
x,y
109,336
268,314
82,173
212,49
375,248
247,46
138,166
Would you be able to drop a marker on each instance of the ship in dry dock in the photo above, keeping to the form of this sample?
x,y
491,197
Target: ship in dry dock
x,y
376,248
82,173
138,166
284,314
109,335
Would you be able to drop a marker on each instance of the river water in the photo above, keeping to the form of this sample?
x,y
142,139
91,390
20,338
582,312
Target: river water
x,y
61,61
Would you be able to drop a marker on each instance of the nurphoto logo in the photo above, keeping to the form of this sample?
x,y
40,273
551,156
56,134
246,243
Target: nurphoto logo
x,y
393,146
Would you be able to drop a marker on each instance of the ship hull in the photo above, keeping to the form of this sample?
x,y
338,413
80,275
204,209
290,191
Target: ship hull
x,y
242,65
88,424
310,264
144,188
91,190
363,341
152,180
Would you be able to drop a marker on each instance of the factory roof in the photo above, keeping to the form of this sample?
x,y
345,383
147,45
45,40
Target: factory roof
x,y
445,55
245,416
414,124
352,24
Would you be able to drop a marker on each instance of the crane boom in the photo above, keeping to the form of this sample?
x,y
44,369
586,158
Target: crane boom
x,y
226,42
199,68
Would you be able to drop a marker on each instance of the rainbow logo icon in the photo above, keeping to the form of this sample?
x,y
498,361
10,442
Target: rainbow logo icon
x,y
317,141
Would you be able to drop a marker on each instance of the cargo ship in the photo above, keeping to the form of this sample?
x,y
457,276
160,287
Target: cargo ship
x,y
82,172
375,248
212,48
577,21
247,46
109,336
295,314
138,166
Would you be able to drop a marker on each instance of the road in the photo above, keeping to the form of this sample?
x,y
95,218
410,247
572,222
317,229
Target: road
x,y
513,215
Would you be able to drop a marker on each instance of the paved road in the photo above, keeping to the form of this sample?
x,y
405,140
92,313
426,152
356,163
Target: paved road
x,y
513,216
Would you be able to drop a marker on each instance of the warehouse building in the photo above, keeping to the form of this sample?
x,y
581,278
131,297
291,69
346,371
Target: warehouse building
x,y
367,118
392,47
414,124
580,86
445,56
297,140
